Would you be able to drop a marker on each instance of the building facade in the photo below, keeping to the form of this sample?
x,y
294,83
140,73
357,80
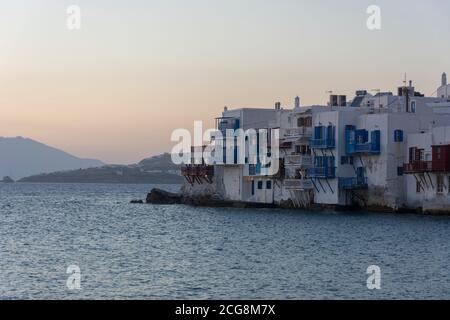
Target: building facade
x,y
348,153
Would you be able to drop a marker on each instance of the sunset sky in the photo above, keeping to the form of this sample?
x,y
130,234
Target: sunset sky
x,y
137,69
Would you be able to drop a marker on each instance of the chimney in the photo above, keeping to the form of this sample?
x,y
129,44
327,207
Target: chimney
x,y
342,101
444,79
277,105
333,100
297,102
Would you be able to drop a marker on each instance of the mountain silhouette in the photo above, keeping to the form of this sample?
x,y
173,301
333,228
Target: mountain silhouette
x,y
21,157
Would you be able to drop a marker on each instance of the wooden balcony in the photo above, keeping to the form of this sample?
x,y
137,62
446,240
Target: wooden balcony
x,y
198,173
418,167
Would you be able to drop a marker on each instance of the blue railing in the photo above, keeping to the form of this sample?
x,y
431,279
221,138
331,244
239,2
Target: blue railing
x,y
353,183
322,172
367,148
322,143
357,141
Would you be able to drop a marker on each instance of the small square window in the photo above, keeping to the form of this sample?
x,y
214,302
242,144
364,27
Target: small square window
x,y
399,171
260,185
398,136
413,107
268,185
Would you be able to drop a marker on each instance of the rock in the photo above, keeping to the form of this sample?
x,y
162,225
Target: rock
x,y
7,180
137,201
158,196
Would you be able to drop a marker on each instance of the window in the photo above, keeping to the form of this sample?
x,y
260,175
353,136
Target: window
x,y
399,171
260,185
360,140
298,149
438,153
418,186
440,184
412,154
300,122
398,135
448,185
413,107
318,132
268,185
347,160
351,137
253,187
308,122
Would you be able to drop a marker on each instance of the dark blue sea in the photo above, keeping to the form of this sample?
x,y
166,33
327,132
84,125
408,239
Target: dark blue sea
x,y
127,251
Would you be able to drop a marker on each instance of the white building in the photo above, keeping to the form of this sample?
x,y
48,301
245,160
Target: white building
x,y
344,154
361,163
427,170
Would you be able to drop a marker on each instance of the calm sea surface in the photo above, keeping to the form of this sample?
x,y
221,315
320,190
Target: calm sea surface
x,y
177,252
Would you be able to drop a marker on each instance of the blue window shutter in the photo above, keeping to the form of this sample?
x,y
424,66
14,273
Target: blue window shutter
x,y
317,132
375,138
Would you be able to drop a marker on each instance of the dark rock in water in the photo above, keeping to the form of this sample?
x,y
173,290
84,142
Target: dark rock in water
x,y
158,196
7,180
137,201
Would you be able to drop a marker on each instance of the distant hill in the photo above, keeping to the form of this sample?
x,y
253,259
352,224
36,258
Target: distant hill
x,y
156,170
21,157
7,180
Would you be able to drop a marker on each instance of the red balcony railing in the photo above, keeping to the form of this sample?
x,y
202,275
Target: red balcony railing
x,y
426,166
418,167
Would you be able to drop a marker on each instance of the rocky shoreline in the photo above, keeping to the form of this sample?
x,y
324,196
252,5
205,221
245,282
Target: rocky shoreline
x,y
162,197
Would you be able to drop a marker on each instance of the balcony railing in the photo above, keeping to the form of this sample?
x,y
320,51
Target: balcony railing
x,y
426,166
353,183
197,170
323,143
322,172
418,167
299,132
298,184
298,160
368,148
